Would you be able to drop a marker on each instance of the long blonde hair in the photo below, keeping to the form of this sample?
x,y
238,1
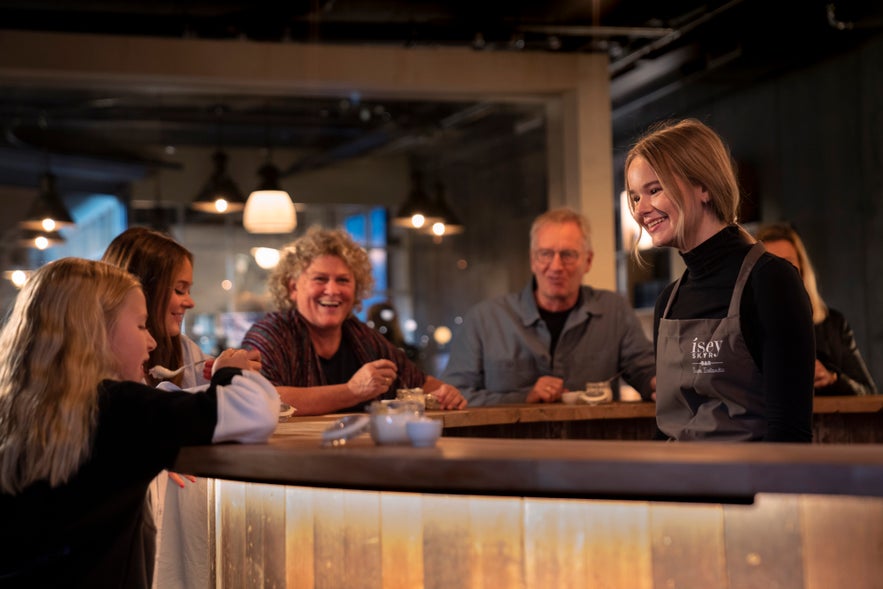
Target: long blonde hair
x,y
784,232
55,354
692,151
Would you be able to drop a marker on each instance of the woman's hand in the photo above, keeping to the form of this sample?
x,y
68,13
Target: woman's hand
x,y
373,379
254,360
231,358
254,363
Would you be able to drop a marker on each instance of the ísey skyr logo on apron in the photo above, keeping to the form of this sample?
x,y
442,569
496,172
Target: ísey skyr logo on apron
x,y
706,354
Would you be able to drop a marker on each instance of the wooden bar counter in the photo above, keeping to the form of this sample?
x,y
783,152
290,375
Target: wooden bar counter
x,y
537,514
836,420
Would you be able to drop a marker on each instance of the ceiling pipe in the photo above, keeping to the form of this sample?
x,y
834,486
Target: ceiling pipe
x,y
618,66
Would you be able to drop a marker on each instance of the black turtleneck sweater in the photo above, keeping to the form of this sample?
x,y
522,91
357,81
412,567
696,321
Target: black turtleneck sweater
x,y
776,321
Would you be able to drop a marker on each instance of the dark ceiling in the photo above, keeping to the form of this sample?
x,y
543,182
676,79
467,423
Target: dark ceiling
x,y
657,49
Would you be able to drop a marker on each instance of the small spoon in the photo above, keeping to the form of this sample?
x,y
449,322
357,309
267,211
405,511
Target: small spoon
x,y
163,373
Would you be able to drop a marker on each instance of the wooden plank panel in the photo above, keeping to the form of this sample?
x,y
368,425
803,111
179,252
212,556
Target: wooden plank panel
x,y
401,524
300,543
763,543
265,536
361,540
687,542
231,534
497,543
329,546
617,544
447,542
213,517
577,544
547,558
843,542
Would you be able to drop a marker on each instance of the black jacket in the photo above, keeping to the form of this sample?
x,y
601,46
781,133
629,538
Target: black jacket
x,y
837,350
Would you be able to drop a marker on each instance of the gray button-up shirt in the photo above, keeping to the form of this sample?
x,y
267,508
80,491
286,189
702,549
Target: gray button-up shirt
x,y
502,348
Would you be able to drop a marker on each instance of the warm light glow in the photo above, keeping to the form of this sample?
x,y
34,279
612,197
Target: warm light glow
x,y
221,205
442,335
269,211
17,277
630,228
48,224
418,220
226,284
266,257
41,243
438,229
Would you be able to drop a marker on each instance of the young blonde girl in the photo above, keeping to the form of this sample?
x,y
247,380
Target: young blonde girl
x,y
81,439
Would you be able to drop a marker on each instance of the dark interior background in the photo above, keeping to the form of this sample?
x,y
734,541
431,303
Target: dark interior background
x,y
796,90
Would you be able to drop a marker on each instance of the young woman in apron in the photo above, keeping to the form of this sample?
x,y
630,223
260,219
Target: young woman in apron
x,y
734,336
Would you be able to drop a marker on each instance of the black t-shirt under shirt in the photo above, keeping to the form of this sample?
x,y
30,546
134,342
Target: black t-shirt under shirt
x,y
555,321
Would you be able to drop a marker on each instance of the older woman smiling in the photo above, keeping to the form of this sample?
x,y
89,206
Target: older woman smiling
x,y
321,358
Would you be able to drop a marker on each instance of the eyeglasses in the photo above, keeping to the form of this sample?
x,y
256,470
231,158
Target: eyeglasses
x,y
545,256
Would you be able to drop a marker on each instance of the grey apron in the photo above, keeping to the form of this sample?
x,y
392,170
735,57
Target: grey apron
x,y
707,383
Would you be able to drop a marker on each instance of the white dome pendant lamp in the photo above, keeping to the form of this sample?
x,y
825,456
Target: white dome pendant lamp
x,y
269,209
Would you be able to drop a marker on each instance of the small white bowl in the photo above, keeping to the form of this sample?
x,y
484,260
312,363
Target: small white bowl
x,y
424,432
571,397
389,428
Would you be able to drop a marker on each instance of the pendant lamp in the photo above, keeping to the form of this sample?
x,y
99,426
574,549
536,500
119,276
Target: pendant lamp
x,y
418,211
40,239
219,195
269,209
449,223
48,212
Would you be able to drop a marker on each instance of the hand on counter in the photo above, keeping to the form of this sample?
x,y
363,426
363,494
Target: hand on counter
x,y
548,389
823,376
449,397
373,379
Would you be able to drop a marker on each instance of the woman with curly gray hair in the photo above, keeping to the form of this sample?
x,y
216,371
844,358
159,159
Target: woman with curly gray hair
x,y
321,358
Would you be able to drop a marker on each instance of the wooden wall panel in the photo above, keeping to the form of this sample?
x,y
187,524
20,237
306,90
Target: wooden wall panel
x,y
447,538
300,544
401,524
763,543
843,542
265,536
275,536
230,536
687,544
497,550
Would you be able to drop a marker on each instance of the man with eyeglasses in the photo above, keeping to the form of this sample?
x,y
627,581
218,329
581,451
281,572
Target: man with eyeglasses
x,y
556,334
